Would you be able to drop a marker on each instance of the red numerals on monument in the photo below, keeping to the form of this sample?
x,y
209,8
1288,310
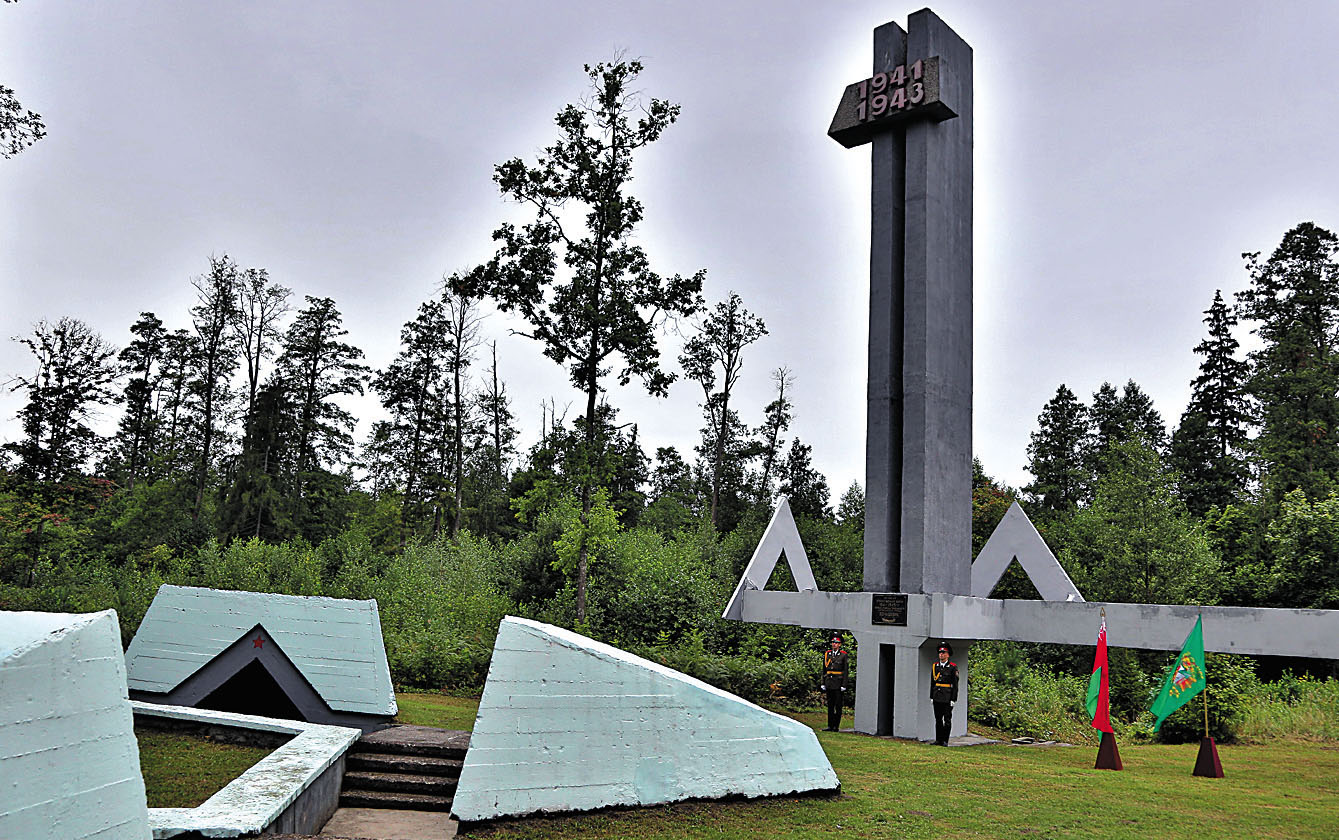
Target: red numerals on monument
x,y
886,93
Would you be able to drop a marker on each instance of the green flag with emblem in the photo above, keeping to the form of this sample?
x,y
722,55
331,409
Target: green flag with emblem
x,y
1185,679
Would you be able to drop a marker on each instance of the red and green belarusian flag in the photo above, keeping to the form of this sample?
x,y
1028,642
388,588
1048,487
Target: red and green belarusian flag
x,y
1098,700
1185,679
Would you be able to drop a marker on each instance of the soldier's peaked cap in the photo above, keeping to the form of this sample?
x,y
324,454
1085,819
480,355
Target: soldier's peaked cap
x,y
946,646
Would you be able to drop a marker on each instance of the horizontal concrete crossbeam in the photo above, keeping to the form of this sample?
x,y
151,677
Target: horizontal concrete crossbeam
x,y
1247,630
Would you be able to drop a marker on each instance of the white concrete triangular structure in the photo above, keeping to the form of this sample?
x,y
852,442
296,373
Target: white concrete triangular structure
x,y
781,536
567,723
69,761
1015,538
192,638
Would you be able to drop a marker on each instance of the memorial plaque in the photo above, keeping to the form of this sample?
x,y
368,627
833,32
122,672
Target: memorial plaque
x,y
889,609
872,104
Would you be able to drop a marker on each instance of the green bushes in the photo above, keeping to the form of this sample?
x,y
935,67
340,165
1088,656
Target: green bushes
x,y
1010,694
1294,707
789,678
1231,679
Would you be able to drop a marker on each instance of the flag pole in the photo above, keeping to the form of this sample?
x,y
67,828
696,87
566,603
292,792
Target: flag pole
x,y
1205,692
1206,707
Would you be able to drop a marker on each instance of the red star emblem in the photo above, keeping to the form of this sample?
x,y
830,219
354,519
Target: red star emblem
x,y
258,642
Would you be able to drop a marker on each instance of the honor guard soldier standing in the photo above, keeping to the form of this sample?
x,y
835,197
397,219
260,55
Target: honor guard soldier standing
x,y
943,693
834,680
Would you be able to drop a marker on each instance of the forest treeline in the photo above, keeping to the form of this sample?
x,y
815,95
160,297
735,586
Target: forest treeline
x,y
234,463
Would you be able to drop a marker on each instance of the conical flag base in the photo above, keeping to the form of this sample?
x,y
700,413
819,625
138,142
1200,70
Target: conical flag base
x,y
1207,763
1108,757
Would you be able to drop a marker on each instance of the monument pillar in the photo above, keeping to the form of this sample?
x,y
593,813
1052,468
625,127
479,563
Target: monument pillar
x,y
916,112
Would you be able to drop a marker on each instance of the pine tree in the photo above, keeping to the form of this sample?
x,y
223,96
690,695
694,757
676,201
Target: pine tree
x,y
1057,454
1294,377
804,486
1207,447
138,432
1116,418
318,367
415,389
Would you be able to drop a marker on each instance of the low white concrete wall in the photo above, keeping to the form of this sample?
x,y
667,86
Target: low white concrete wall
x,y
254,800
569,724
69,762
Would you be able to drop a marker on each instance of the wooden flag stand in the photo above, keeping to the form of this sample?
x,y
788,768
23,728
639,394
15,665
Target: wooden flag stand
x,y
1108,757
1207,763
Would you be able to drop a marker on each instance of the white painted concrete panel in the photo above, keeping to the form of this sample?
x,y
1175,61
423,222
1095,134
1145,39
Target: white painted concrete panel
x,y
69,762
569,724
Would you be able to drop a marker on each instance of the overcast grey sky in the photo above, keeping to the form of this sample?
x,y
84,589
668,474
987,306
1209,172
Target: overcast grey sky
x,y
1126,155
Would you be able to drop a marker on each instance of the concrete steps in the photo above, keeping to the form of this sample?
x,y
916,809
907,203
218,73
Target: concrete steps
x,y
404,767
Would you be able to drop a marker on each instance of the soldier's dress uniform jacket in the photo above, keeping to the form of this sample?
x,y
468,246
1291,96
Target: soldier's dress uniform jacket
x,y
834,669
944,682
835,663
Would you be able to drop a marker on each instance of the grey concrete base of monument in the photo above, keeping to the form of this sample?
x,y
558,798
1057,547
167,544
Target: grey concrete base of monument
x,y
905,710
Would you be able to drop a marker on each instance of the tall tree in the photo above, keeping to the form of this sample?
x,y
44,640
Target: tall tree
x,y
494,407
718,342
776,423
261,303
1207,447
141,359
490,460
74,374
611,303
802,484
318,367
1294,301
415,389
1057,454
1135,542
213,316
181,358
1115,417
462,320
258,504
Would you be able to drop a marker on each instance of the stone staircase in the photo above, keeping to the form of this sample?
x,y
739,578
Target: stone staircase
x,y
407,767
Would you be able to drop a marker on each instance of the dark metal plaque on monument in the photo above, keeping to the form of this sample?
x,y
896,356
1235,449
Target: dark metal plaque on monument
x,y
889,609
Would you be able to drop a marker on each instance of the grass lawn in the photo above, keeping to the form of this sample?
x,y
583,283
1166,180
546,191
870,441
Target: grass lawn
x,y
441,710
895,789
182,771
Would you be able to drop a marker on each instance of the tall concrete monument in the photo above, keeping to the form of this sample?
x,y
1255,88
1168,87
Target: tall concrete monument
x,y
920,582
915,111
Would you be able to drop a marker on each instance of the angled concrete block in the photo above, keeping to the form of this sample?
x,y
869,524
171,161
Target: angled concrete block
x,y
567,723
69,761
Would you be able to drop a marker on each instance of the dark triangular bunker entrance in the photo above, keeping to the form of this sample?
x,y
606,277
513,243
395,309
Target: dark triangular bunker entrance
x,y
252,691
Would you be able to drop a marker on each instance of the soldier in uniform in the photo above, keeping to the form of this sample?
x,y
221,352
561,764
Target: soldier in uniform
x,y
834,680
943,693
